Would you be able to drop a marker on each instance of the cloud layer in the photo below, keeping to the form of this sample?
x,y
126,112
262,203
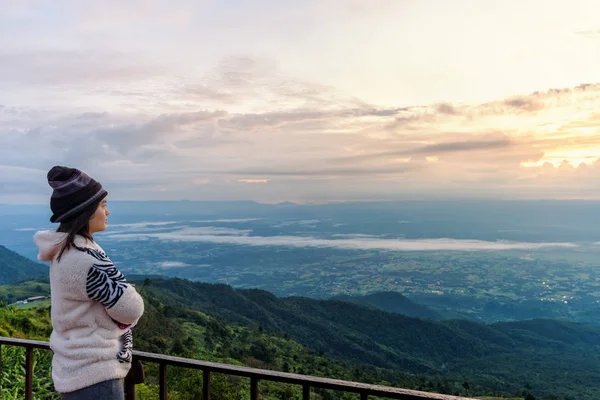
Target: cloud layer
x,y
356,242
544,144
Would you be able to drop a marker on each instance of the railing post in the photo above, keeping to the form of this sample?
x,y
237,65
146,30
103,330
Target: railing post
x,y
305,392
162,382
129,387
253,388
205,384
28,373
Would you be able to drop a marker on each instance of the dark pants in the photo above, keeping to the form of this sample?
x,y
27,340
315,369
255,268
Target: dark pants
x,y
109,390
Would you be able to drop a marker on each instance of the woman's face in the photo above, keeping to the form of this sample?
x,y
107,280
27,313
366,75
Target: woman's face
x,y
99,219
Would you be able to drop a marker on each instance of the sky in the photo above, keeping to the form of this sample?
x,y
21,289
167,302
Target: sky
x,y
307,101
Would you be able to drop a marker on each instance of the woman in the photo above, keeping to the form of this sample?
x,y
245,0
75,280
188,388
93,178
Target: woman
x,y
93,307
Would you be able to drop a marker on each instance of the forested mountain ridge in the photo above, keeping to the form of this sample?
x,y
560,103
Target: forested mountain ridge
x,y
392,302
344,340
16,268
485,355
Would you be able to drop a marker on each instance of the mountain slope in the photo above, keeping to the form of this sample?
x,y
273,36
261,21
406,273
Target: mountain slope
x,y
16,268
551,356
391,302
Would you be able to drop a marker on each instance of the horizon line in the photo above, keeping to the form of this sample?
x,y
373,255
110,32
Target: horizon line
x,y
329,202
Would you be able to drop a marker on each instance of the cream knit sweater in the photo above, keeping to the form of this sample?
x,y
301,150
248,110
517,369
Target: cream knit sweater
x,y
93,311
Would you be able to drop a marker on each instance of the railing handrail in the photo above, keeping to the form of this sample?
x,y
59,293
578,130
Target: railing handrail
x,y
260,374
36,344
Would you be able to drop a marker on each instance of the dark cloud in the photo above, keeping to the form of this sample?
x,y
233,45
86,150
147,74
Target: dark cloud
x,y
161,129
273,119
209,137
322,172
92,115
203,91
278,119
532,103
128,93
413,117
371,112
523,103
435,149
585,86
471,145
445,108
170,121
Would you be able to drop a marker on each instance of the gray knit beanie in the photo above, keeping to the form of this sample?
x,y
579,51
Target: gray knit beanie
x,y
73,192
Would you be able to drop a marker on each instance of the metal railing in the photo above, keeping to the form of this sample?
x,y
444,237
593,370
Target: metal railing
x,y
255,375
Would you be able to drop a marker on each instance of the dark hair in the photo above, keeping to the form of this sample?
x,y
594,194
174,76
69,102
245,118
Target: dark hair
x,y
79,225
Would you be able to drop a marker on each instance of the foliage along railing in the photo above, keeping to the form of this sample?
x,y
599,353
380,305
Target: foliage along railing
x,y
255,375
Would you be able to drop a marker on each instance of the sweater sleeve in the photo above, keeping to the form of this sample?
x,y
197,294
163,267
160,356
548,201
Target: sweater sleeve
x,y
107,285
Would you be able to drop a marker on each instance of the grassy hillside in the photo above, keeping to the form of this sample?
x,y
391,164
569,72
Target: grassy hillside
x,y
25,324
12,293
